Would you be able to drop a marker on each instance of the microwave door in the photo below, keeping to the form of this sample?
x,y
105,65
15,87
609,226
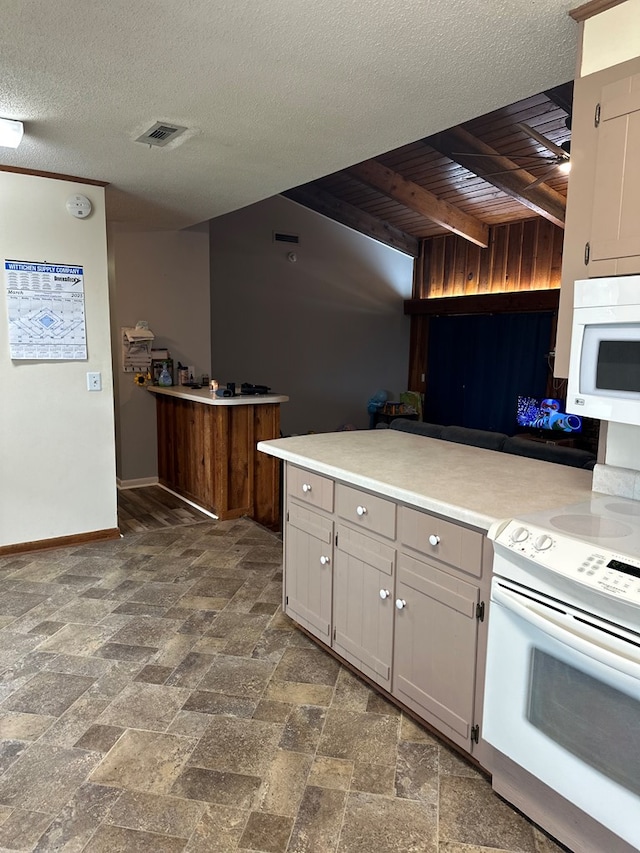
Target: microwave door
x,y
610,363
618,366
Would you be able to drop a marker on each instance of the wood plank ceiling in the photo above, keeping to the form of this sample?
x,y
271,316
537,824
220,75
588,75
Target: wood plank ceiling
x,y
419,191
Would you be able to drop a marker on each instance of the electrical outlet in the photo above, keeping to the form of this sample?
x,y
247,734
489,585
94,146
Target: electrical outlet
x,y
94,382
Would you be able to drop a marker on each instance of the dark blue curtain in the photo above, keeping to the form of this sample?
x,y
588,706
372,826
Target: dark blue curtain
x,y
477,365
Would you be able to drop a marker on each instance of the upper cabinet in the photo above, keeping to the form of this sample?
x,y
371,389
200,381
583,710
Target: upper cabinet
x,y
602,233
614,242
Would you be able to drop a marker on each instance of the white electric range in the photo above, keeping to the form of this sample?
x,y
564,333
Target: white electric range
x,y
562,695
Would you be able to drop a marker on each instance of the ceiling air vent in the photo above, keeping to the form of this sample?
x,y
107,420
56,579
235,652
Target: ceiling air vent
x,y
160,134
285,238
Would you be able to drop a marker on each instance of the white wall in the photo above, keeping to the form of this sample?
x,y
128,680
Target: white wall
x,y
611,37
327,330
161,277
57,447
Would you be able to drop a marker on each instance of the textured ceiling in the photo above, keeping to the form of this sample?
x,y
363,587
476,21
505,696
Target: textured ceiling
x,y
275,93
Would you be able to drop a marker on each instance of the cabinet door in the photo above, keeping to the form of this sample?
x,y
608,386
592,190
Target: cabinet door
x,y
434,660
363,603
616,208
308,570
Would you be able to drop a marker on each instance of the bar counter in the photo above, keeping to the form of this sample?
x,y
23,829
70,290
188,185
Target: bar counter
x,y
207,451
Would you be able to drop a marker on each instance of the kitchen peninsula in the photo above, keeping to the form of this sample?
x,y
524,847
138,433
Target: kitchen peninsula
x,y
388,565
207,451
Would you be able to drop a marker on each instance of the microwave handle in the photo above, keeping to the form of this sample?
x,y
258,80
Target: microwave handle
x,y
576,638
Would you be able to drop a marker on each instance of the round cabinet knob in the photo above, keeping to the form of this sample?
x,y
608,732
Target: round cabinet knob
x,y
434,540
306,487
400,603
520,534
324,561
384,593
361,510
543,542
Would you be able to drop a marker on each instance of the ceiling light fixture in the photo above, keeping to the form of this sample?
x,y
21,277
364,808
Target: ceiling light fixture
x,y
10,133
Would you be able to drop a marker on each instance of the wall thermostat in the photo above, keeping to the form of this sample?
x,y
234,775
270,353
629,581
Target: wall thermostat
x,y
79,206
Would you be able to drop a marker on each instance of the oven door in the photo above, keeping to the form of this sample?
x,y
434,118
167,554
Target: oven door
x,y
562,700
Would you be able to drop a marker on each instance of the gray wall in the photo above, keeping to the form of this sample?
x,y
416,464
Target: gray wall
x,y
161,277
327,330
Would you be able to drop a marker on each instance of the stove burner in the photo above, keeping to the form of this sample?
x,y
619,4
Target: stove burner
x,y
631,508
591,526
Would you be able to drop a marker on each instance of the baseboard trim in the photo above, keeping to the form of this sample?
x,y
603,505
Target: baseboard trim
x,y
60,542
136,483
191,503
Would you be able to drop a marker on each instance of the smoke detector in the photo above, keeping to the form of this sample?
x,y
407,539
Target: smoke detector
x,y
160,134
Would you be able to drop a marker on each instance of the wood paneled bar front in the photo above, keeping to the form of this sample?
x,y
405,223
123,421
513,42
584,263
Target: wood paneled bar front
x,y
207,451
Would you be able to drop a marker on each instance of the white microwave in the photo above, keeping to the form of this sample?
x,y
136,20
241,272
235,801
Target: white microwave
x,y
604,366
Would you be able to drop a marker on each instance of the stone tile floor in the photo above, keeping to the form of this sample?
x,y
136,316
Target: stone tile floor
x,y
153,697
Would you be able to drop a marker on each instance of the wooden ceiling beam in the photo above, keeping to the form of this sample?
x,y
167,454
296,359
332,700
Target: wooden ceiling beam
x,y
542,199
485,303
562,96
347,214
415,197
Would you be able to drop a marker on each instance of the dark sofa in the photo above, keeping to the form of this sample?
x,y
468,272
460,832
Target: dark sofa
x,y
497,441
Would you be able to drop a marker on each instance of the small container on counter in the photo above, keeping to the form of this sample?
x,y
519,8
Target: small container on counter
x,y
213,386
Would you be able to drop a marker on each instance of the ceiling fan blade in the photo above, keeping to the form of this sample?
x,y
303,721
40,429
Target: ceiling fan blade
x,y
501,172
542,140
494,156
547,163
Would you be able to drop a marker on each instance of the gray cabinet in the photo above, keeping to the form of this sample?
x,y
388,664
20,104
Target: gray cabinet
x,y
308,578
436,635
363,586
363,581
439,608
395,591
309,573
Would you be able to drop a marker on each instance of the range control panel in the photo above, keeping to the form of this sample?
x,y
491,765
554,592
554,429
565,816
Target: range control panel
x,y
600,569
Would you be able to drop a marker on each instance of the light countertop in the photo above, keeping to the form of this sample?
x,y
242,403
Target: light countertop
x,y
204,395
467,484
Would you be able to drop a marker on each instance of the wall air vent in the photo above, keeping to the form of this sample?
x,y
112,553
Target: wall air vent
x,y
285,238
160,134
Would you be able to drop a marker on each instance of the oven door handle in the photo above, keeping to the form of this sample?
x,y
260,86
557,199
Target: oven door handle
x,y
573,635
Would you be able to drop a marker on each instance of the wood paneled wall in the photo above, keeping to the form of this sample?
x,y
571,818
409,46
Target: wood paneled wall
x,y
521,257
525,255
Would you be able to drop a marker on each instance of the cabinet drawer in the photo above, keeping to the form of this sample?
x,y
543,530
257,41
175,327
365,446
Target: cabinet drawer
x,y
311,488
367,511
443,540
